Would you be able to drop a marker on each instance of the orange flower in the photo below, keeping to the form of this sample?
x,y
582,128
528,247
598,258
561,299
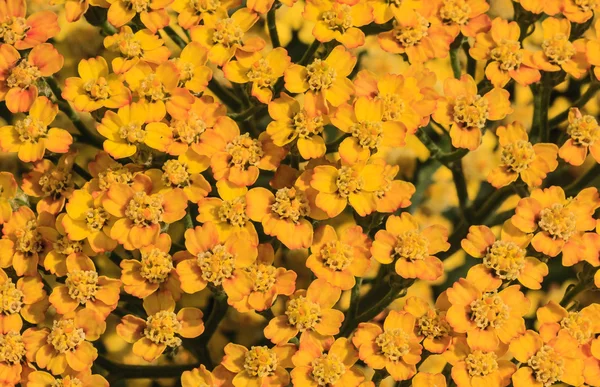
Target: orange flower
x,y
8,191
474,367
317,367
426,379
222,36
487,317
262,71
582,325
14,366
466,112
384,11
338,259
263,6
584,135
504,259
266,282
558,52
141,213
153,271
519,158
259,366
559,223
24,33
309,312
237,157
304,123
67,343
593,50
18,76
393,347
394,194
152,13
52,183
143,45
74,9
26,241
430,323
578,11
198,376
84,286
326,79
210,259
194,75
31,136
106,171
26,300
549,7
192,12
412,249
162,328
462,16
95,88
415,36
546,362
337,21
508,60
83,379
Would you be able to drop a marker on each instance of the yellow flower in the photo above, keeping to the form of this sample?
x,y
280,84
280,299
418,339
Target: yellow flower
x,y
337,21
430,322
584,135
83,379
8,191
143,45
152,13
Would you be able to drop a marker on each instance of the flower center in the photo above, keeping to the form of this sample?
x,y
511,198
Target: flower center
x,y
186,70
517,155
96,218
327,370
260,362
507,259
303,314
578,326
188,131
305,126
508,54
261,74
31,129
55,182
263,277
82,285
455,12
393,344
176,173
558,49
137,5
156,265
162,327
320,75
395,3
411,35
489,310
205,6
244,151
67,381
23,75
145,210
338,19
290,204
114,176
432,325
558,221
547,366
216,265
132,132
65,246
336,255
12,348
228,33
411,245
471,112
393,107
234,212
481,363
348,182
152,89
29,240
98,89
130,46
65,336
13,29
368,133
584,131
11,298
586,5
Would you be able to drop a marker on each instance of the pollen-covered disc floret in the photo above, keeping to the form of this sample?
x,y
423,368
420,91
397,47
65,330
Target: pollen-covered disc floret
x,y
152,89
129,45
336,255
176,173
471,112
156,265
586,5
97,89
260,362
205,6
306,127
409,36
13,29
508,54
584,130
216,265
579,327
481,363
12,347
327,369
348,182
138,5
517,156
96,218
228,33
261,73
432,325
65,246
290,204
23,75
188,131
29,240
393,344
244,151
393,106
559,221
68,381
320,75
338,19
489,311
55,182
114,176
507,260
144,209
82,285
11,298
234,212
548,367
65,335
558,49
411,245
162,327
263,277
455,12
31,129
132,132
303,314
368,133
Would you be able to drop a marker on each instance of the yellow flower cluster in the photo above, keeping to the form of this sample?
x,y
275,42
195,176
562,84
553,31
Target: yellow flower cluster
x,y
265,193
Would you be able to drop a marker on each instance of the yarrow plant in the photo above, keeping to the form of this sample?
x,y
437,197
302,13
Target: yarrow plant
x,y
312,193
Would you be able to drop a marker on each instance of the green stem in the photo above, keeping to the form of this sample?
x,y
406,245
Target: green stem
x,y
446,158
354,302
126,371
581,102
219,309
175,37
541,103
378,376
187,220
461,188
82,172
308,55
223,94
108,28
583,181
572,292
454,59
520,190
272,26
